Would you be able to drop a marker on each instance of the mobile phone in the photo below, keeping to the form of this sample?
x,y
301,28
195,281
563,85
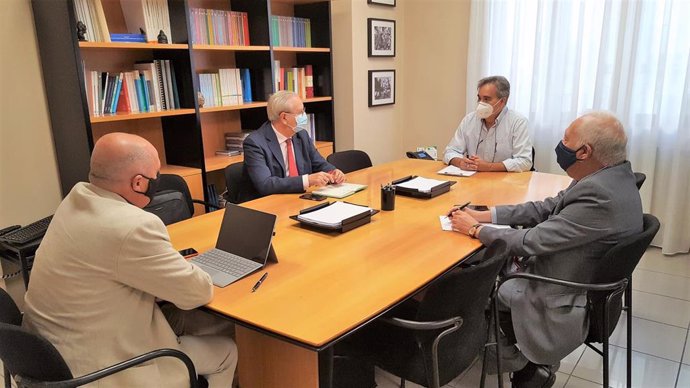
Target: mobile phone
x,y
479,208
312,196
189,252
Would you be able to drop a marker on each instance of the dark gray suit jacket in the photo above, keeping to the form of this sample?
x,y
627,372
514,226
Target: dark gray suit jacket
x,y
264,163
565,236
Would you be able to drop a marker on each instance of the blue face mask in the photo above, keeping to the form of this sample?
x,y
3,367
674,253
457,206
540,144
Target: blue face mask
x,y
302,121
565,156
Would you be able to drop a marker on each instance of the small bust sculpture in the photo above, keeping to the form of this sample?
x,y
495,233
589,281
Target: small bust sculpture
x,y
81,31
162,38
201,99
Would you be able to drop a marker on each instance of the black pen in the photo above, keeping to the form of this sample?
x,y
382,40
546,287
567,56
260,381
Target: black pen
x,y
457,207
258,284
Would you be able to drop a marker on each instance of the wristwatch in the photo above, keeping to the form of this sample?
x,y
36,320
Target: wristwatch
x,y
473,230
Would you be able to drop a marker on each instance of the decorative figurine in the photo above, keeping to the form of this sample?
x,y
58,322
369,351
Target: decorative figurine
x,y
162,38
81,31
201,99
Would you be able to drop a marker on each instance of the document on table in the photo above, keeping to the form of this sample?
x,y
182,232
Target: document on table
x,y
332,216
341,190
446,224
421,184
455,171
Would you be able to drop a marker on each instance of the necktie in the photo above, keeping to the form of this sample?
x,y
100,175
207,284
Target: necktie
x,y
292,165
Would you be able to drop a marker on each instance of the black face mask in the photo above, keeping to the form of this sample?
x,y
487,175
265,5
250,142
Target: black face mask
x,y
565,156
153,186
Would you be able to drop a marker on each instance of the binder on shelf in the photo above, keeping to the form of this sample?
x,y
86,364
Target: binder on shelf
x,y
410,192
345,225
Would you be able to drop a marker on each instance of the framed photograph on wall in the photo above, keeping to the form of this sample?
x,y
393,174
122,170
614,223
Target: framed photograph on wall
x,y
381,87
390,3
381,35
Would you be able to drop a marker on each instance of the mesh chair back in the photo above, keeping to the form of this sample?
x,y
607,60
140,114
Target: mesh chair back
x,y
9,312
29,355
639,179
618,263
465,293
348,161
240,187
172,202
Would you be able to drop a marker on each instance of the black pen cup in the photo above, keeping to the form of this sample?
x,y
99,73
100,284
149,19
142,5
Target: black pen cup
x,y
388,198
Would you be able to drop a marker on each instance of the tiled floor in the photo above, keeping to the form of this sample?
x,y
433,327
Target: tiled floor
x,y
661,349
661,320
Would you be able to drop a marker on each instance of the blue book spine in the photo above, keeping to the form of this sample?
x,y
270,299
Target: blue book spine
x,y
145,88
246,86
140,95
116,95
136,38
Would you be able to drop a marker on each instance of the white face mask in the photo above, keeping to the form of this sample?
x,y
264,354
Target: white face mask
x,y
484,109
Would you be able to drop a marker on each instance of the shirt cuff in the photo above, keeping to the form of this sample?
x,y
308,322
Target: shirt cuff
x,y
493,215
305,181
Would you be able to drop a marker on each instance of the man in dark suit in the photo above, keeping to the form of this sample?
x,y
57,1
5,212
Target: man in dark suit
x,y
279,157
563,237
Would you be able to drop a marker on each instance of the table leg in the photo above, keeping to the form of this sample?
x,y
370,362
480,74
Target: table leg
x,y
24,266
265,361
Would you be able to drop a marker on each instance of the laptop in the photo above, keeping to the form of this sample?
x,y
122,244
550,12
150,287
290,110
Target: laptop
x,y
243,246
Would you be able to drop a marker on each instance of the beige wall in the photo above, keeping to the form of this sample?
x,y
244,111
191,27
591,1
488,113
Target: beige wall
x,y
28,171
430,64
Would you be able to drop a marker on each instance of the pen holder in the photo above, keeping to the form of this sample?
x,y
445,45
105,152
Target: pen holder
x,y
388,198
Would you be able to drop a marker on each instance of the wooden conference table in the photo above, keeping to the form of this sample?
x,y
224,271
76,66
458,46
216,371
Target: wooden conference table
x,y
325,286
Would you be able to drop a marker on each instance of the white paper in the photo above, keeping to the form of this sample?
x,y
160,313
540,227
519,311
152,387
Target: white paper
x,y
334,214
448,226
421,184
455,171
341,190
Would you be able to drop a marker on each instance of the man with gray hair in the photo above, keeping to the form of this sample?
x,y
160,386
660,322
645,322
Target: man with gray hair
x,y
279,157
493,137
100,268
564,237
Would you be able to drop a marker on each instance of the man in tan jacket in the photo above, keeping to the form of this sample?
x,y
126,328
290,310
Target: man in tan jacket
x,y
101,266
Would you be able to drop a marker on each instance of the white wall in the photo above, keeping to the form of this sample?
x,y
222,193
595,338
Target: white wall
x,y
430,64
29,186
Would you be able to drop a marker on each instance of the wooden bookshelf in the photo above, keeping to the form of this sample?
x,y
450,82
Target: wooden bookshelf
x,y
132,46
186,138
119,116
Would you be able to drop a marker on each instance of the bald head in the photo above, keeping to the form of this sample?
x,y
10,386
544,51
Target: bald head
x,y
605,134
117,157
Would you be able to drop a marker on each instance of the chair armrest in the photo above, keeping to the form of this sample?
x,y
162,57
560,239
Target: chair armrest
x,y
105,372
427,325
619,285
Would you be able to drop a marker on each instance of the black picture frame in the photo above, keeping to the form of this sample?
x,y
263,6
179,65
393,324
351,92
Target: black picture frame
x,y
380,37
387,3
381,87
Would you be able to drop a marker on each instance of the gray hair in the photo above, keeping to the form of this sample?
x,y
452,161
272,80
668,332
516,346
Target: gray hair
x,y
605,133
279,102
500,82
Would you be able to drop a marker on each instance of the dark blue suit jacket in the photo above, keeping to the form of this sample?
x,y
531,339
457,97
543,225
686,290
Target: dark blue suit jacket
x,y
264,164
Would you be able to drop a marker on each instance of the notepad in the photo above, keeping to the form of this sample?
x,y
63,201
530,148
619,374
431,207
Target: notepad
x,y
420,184
341,190
332,216
447,225
455,171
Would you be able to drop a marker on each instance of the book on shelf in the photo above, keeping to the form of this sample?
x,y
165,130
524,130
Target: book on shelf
x,y
128,38
151,16
228,152
226,87
219,27
90,12
295,79
287,31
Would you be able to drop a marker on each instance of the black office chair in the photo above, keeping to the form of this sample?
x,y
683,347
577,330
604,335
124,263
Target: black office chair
x,y
239,187
639,179
348,161
34,362
430,342
173,201
612,279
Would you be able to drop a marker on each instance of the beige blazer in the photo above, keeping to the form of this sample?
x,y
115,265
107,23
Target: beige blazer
x,y
96,275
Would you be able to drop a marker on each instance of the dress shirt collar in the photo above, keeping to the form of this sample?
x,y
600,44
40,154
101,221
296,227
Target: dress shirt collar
x,y
280,136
